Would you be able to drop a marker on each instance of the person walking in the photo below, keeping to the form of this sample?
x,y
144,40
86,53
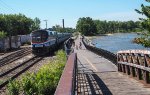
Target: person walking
x,y
80,45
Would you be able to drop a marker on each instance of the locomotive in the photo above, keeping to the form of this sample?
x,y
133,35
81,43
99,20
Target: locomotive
x,y
45,41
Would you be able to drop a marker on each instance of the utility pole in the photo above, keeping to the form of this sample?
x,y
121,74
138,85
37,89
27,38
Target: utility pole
x,y
46,23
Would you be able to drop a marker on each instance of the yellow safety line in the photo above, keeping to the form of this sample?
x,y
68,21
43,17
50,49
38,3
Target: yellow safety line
x,y
90,63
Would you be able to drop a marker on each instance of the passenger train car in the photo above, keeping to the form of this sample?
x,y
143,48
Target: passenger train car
x,y
44,41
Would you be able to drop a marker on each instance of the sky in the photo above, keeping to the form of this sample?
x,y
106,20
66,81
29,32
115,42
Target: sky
x,y
71,10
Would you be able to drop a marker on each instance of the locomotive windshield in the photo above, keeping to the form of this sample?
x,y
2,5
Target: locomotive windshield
x,y
39,36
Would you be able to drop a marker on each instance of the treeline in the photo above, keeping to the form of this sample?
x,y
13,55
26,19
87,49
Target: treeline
x,y
17,24
87,26
117,26
60,29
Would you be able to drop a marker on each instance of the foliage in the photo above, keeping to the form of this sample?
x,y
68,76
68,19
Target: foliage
x,y
36,24
60,29
142,40
45,81
18,24
145,10
13,88
2,34
86,26
117,26
26,43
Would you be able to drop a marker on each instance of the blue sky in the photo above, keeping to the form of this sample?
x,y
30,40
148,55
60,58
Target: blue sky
x,y
71,10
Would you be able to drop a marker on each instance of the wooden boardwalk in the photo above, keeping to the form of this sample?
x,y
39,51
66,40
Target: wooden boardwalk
x,y
99,76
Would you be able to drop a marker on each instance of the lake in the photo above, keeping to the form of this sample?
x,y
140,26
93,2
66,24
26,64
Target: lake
x,y
117,41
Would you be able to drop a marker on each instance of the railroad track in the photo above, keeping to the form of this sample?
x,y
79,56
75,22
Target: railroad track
x,y
14,56
18,70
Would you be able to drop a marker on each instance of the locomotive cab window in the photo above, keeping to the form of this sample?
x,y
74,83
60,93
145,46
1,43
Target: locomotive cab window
x,y
39,36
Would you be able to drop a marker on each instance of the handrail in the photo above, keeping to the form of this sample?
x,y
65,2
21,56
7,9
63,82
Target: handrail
x,y
66,85
135,63
135,51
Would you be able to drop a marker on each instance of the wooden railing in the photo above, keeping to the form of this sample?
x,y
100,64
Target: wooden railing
x,y
135,63
67,83
106,54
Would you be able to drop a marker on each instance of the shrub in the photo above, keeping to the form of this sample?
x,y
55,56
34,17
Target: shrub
x,y
13,88
45,81
2,34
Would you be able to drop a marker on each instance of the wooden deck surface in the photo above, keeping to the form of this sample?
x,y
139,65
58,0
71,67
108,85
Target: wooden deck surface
x,y
99,76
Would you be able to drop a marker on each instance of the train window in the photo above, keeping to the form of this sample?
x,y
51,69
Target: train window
x,y
50,33
44,37
36,37
39,36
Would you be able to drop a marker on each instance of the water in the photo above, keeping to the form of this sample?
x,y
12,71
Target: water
x,y
117,41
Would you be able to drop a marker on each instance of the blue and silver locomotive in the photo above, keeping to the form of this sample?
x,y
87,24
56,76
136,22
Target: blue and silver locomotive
x,y
45,41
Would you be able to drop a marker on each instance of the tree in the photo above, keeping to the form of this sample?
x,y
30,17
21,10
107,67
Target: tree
x,y
36,24
2,34
86,26
18,24
145,11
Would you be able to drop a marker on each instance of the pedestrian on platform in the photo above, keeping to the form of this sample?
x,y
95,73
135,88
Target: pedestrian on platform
x,y
76,47
80,45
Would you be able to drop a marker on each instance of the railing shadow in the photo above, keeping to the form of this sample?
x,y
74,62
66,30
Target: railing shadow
x,y
105,90
90,82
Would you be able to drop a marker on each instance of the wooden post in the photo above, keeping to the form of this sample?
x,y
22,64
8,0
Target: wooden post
x,y
118,67
146,76
124,70
127,70
146,73
139,74
132,69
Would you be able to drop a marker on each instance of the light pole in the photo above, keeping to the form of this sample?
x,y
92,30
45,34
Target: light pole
x,y
46,23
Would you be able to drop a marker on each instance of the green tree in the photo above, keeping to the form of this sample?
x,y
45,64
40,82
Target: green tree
x,y
2,34
18,24
36,24
86,26
145,10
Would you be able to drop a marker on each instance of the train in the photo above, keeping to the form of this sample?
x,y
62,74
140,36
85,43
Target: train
x,y
45,41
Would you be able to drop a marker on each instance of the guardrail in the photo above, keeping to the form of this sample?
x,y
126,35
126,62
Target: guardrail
x,y
67,83
135,63
106,54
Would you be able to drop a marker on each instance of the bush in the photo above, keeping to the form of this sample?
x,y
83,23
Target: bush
x,y
2,34
26,43
13,88
45,81
143,41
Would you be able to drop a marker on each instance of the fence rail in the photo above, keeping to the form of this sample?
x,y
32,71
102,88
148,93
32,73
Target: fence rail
x,y
67,82
135,63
